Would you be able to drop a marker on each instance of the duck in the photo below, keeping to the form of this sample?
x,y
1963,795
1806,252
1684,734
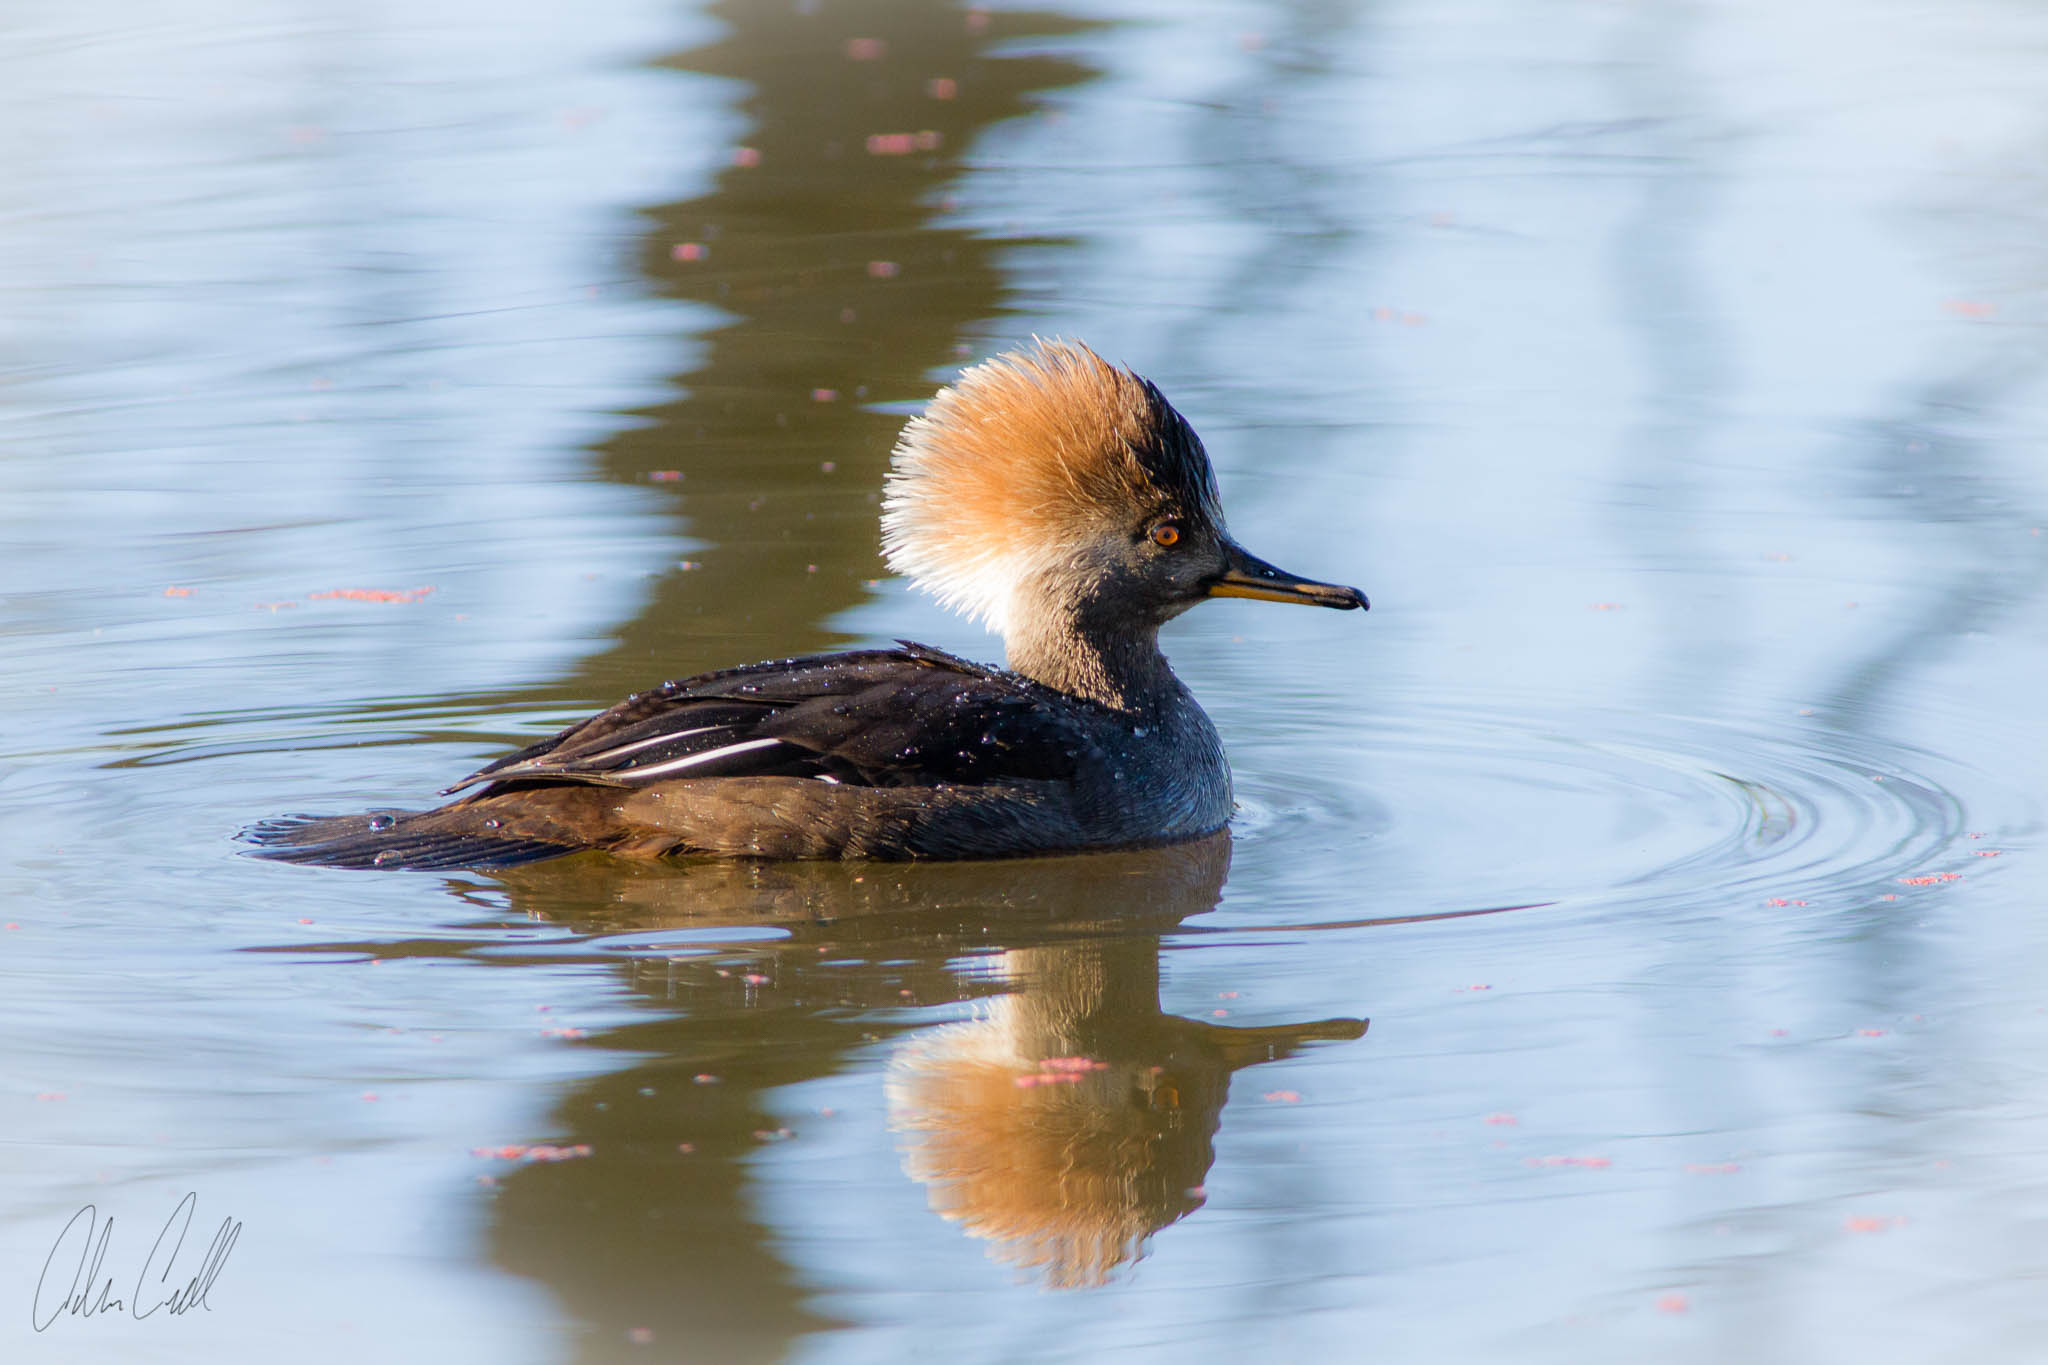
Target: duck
x,y
1057,498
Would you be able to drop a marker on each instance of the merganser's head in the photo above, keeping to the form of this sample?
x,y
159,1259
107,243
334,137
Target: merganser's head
x,y
1050,482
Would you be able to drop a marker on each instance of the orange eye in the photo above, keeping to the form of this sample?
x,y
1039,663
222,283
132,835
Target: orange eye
x,y
1166,535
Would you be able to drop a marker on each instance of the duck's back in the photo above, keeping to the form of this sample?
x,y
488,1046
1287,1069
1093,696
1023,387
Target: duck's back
x,y
897,753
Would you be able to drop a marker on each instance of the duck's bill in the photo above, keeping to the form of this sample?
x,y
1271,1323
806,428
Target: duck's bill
x,y
1248,576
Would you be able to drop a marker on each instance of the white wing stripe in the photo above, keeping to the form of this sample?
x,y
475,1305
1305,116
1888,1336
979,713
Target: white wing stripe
x,y
676,764
621,749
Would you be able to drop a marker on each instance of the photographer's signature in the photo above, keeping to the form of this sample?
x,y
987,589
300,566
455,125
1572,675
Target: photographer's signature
x,y
75,1280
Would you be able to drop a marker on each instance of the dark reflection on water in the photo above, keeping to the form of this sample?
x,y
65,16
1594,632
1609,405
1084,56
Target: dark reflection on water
x,y
1065,1124
1719,325
841,293
1922,473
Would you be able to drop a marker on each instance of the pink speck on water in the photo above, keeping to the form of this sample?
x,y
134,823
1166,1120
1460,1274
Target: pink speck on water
x,y
1076,1064
686,1148
1986,852
704,1078
1870,1033
550,1153
1781,901
1871,1223
369,1097
746,156
883,270
664,476
687,251
12,925
865,49
1282,1097
1673,1303
1712,1167
1501,1120
1591,1163
369,595
824,395
50,1096
561,1033
1219,1014
941,87
640,1336
539,1151
755,979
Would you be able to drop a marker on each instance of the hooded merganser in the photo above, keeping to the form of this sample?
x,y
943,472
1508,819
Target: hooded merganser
x,y
1054,496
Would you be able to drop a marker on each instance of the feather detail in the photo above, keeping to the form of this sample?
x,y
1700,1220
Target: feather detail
x,y
917,721
1023,459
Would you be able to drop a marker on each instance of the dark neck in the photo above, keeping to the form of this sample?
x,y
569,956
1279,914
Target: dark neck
x,y
1119,668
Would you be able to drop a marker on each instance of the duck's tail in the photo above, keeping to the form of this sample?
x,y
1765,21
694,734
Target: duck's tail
x,y
457,836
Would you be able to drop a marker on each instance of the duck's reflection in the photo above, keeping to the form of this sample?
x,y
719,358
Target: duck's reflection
x,y
1076,1118
1065,1123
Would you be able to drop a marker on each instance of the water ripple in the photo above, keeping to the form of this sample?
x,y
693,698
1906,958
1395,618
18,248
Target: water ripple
x,y
1593,807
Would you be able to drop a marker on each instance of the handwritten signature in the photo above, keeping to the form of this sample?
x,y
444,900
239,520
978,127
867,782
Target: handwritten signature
x,y
81,1252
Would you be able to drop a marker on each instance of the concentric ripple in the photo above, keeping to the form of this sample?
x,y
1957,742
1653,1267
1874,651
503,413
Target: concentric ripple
x,y
1455,807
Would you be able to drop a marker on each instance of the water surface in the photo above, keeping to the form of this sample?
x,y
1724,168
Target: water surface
x,y
1671,379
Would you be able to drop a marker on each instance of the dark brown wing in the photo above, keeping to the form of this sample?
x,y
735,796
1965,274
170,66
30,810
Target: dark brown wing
x,y
913,716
